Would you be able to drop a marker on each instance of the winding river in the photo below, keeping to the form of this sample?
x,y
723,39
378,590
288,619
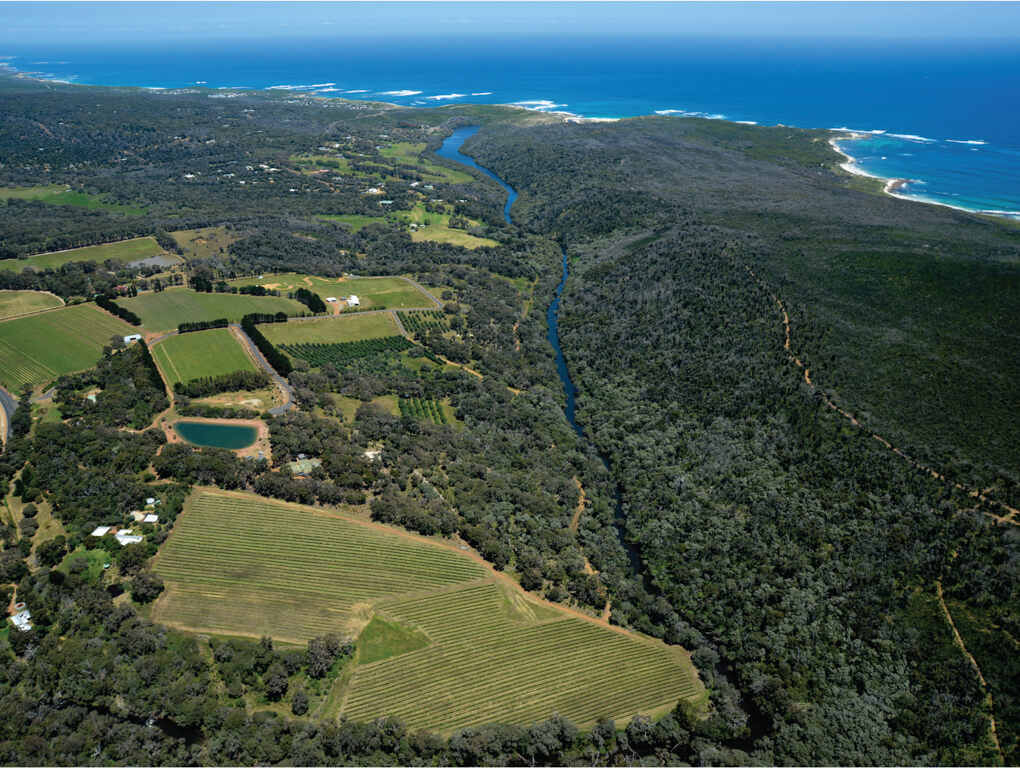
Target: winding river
x,y
450,150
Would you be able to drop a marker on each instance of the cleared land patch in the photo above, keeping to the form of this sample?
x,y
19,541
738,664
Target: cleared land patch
x,y
195,355
447,643
124,250
38,348
373,292
436,227
205,242
16,303
166,310
328,330
61,194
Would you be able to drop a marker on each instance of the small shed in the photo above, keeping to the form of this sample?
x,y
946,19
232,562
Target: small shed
x,y
133,337
101,531
331,299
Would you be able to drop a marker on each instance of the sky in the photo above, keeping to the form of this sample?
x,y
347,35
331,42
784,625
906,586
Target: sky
x,y
82,22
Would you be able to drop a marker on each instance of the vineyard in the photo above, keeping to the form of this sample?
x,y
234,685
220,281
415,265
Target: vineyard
x,y
483,651
425,409
345,352
433,320
497,657
241,564
38,348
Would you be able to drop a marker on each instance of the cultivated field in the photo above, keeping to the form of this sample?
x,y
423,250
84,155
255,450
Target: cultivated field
x,y
124,250
331,330
60,194
451,644
15,303
200,353
166,310
38,348
374,292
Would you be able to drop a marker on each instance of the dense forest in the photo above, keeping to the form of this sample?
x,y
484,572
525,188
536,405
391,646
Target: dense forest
x,y
816,575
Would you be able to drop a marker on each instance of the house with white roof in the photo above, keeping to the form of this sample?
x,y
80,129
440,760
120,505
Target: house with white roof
x,y
353,301
23,621
101,531
128,537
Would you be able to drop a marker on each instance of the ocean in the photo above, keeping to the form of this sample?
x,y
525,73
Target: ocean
x,y
942,114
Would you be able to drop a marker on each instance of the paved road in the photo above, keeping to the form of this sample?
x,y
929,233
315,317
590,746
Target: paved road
x,y
9,403
288,391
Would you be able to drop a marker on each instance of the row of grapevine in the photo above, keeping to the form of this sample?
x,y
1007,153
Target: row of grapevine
x,y
426,409
344,352
433,320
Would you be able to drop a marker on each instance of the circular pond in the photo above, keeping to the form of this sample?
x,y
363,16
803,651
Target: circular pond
x,y
212,434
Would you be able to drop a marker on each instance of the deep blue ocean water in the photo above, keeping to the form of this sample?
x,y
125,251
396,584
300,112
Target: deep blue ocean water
x,y
925,95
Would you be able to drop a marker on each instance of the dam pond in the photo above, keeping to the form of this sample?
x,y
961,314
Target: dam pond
x,y
212,434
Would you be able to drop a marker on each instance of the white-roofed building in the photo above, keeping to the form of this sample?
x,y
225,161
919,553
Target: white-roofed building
x,y
151,519
127,537
132,338
23,621
101,531
353,301
331,299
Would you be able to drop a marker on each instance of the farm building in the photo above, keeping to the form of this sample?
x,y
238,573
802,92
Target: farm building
x,y
151,519
132,338
127,537
331,299
353,301
101,531
23,621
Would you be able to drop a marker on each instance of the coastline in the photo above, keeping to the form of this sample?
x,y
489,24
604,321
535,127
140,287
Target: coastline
x,y
894,187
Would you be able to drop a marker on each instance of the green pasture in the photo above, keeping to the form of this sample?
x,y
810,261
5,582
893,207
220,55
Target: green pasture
x,y
15,303
443,641
94,560
198,354
61,194
38,348
124,250
331,330
352,221
166,310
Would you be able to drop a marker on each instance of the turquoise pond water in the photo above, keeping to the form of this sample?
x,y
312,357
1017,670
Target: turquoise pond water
x,y
214,435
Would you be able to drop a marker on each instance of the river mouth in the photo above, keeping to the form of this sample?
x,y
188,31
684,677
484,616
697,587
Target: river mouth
x,y
211,434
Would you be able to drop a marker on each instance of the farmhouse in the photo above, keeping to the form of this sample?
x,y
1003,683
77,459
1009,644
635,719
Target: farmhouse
x,y
133,337
353,301
23,621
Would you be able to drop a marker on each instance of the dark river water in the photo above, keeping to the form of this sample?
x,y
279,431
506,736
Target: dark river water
x,y
450,149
